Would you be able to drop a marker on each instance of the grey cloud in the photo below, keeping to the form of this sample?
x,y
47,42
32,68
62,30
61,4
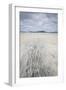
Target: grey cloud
x,y
31,21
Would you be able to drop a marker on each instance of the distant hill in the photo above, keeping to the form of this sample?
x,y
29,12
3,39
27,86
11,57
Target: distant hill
x,y
37,32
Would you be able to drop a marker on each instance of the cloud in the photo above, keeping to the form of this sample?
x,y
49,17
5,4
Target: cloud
x,y
32,21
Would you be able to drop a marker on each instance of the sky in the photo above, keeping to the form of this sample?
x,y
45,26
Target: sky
x,y
36,21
